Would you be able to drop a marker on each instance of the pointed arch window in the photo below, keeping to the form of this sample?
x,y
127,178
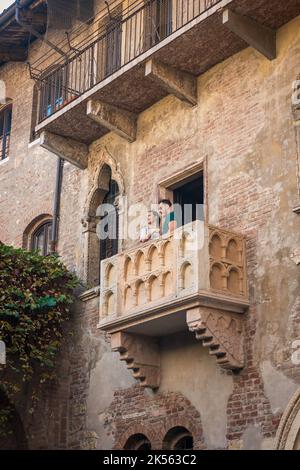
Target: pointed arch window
x,y
5,130
110,222
102,224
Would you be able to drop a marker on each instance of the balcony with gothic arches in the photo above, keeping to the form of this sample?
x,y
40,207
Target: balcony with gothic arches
x,y
193,280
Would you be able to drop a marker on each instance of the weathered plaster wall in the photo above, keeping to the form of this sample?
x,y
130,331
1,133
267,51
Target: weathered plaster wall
x,y
243,129
200,381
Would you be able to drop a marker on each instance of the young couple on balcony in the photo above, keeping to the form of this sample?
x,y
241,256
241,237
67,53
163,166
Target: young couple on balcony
x,y
161,223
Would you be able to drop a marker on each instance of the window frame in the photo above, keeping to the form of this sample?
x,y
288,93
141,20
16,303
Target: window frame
x,y
165,187
5,136
55,90
45,227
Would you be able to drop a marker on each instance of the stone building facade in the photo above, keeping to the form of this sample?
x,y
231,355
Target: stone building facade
x,y
208,341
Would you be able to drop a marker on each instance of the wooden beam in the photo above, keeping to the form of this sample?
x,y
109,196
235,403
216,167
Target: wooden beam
x,y
64,147
180,84
114,119
261,38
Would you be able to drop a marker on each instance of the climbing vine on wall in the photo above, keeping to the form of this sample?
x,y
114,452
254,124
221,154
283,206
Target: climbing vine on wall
x,y
36,294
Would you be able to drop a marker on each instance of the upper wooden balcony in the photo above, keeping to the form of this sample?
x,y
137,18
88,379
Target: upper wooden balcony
x,y
193,280
143,51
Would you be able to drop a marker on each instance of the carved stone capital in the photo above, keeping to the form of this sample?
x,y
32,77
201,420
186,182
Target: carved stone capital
x,y
141,355
221,332
89,224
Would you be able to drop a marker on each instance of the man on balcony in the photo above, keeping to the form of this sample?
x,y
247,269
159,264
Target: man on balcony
x,y
167,214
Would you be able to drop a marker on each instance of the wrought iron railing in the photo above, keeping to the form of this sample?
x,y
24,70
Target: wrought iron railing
x,y
120,38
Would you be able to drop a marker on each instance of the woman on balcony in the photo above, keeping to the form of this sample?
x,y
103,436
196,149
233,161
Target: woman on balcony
x,y
151,230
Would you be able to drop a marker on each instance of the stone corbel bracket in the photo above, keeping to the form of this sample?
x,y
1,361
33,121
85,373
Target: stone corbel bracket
x,y
66,148
141,355
221,332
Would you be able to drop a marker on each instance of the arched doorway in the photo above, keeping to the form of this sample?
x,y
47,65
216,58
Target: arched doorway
x,y
288,433
178,438
137,442
14,436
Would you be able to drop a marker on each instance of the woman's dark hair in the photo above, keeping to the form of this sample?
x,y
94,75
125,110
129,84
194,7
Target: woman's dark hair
x,y
165,201
156,216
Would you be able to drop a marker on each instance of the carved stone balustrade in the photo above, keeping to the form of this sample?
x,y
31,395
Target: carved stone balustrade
x,y
195,280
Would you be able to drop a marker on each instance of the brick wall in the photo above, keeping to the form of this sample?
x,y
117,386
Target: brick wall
x,y
133,412
243,130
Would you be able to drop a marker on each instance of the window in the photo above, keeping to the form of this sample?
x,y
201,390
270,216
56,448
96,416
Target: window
x,y
5,131
164,18
104,219
158,21
138,442
54,91
41,239
110,223
178,438
189,198
113,45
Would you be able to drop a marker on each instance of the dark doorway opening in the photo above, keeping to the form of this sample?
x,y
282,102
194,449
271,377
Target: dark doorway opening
x,y
110,223
138,442
158,21
14,437
178,438
113,46
189,199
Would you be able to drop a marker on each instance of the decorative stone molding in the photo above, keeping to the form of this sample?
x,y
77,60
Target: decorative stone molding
x,y
141,355
108,168
90,294
227,261
221,332
104,157
89,224
296,119
195,279
288,432
199,258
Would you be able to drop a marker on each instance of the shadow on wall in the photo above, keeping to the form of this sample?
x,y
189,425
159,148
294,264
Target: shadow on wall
x,y
14,438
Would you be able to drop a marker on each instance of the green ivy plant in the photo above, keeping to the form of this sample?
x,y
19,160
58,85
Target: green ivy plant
x,y
36,294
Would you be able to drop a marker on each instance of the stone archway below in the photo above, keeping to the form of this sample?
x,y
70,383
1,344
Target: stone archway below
x,y
288,433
